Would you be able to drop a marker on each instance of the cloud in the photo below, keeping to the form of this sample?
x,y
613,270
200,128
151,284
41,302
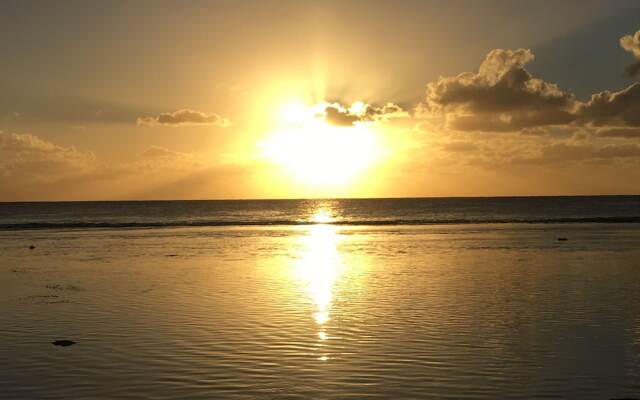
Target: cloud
x,y
631,43
627,133
339,115
185,118
28,157
32,168
564,152
504,97
554,131
156,157
510,121
633,69
618,151
157,152
388,111
501,96
612,108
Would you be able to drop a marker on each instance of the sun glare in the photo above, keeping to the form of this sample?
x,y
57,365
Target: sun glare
x,y
294,112
316,152
322,217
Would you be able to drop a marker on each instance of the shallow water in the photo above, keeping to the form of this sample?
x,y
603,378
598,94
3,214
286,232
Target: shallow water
x,y
322,311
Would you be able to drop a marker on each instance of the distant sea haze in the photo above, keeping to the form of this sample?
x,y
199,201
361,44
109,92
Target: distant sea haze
x,y
387,212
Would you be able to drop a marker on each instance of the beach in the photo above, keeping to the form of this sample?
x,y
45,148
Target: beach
x,y
322,311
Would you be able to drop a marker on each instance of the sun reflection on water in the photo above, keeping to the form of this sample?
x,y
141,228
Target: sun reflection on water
x,y
319,268
322,216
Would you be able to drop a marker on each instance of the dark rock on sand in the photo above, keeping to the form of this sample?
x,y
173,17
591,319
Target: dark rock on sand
x,y
562,239
63,343
31,247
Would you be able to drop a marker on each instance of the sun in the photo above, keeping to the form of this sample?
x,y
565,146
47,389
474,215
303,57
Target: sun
x,y
316,152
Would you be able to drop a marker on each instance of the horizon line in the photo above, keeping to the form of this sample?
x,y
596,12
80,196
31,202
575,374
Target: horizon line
x,y
320,198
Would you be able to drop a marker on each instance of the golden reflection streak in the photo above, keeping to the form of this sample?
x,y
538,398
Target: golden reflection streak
x,y
319,268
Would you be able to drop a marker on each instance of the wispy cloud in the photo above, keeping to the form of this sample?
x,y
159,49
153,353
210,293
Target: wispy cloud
x,y
185,117
34,168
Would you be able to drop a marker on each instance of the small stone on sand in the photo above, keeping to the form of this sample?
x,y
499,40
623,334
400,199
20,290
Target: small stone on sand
x,y
562,239
32,247
63,343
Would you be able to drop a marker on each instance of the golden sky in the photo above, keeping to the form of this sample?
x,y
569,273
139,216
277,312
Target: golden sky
x,y
293,99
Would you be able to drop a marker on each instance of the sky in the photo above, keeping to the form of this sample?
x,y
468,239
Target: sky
x,y
299,99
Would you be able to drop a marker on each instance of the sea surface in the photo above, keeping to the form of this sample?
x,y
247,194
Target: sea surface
x,y
530,297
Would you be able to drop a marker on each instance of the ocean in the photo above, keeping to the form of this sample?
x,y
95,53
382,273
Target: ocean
x,y
521,297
